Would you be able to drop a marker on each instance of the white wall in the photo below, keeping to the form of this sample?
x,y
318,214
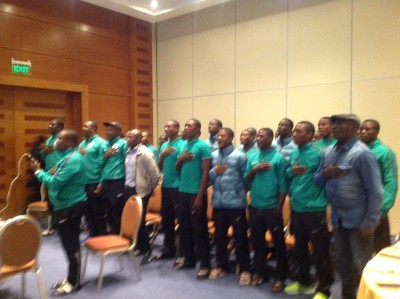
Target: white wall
x,y
253,62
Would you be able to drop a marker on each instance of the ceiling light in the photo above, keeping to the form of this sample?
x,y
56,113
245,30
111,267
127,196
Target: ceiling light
x,y
154,4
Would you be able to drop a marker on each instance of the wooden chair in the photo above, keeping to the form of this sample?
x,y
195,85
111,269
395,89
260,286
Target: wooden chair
x,y
17,192
153,215
20,240
118,244
40,209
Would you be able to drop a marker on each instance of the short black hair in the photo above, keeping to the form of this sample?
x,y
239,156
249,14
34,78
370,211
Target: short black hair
x,y
269,132
374,122
229,132
309,126
289,121
196,122
252,131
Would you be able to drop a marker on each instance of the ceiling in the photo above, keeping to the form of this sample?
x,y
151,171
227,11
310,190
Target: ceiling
x,y
165,9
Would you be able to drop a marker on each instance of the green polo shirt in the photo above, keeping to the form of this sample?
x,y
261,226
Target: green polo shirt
x,y
387,162
171,176
67,186
324,143
306,195
114,166
93,158
267,185
154,151
191,171
55,156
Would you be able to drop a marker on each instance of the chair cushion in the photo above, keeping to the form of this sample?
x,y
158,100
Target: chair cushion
x,y
39,205
6,270
153,218
103,243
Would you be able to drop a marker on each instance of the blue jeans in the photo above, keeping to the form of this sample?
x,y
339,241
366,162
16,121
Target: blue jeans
x,y
351,255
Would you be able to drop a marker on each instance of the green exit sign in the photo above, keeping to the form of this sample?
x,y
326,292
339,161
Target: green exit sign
x,y
21,67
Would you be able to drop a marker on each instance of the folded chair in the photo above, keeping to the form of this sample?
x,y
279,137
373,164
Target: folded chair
x,y
153,215
40,209
20,240
118,244
18,191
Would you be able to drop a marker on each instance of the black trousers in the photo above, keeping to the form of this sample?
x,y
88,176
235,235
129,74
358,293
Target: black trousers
x,y
67,222
312,227
143,242
169,211
194,231
113,192
223,219
382,234
95,212
260,221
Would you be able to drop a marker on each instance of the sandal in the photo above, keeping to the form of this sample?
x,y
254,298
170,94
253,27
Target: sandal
x,y
59,284
65,289
245,278
216,273
278,286
256,280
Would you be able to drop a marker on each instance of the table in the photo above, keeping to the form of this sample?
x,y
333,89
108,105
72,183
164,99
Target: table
x,y
381,276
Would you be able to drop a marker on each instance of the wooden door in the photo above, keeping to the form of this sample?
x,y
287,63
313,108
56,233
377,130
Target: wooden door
x,y
24,114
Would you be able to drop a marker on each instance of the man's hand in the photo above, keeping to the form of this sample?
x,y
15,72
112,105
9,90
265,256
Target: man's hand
x,y
263,166
82,151
35,165
48,149
110,152
365,233
332,171
220,168
168,151
198,204
298,169
187,156
98,189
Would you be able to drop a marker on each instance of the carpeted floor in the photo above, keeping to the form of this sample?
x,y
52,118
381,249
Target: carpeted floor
x,y
158,280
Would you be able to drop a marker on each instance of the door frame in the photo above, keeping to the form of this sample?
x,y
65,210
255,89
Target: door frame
x,y
28,82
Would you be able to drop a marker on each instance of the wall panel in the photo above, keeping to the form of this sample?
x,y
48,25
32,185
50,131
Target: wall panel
x,y
261,45
9,38
218,106
214,50
45,38
102,50
174,56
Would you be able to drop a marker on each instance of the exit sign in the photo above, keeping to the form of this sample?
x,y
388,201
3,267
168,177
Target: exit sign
x,y
21,67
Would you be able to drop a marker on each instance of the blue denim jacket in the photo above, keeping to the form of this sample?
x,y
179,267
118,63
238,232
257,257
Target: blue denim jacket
x,y
229,188
284,147
355,197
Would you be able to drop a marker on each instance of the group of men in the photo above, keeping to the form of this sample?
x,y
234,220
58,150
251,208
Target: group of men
x,y
356,176
94,178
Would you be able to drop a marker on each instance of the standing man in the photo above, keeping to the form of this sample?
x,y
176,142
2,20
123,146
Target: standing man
x,y
194,164
146,139
169,206
308,217
67,194
265,173
353,185
325,133
51,156
387,163
248,141
213,128
141,178
284,143
229,205
92,151
112,181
